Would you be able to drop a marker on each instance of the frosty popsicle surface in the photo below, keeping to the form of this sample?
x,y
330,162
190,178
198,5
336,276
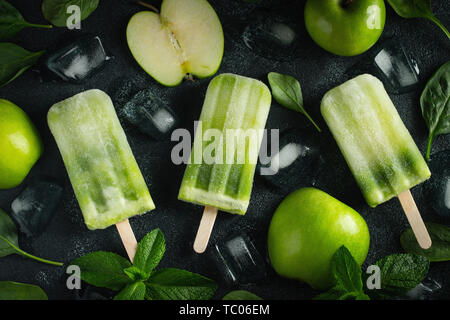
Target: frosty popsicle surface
x,y
377,146
231,102
102,169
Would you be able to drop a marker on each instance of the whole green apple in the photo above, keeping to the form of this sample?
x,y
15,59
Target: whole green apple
x,y
305,232
345,27
20,145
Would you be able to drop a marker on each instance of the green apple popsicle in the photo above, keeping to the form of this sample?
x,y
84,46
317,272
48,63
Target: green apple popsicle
x,y
378,148
102,169
234,105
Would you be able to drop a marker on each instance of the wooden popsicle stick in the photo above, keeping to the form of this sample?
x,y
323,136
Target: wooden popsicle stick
x,y
128,238
415,220
205,229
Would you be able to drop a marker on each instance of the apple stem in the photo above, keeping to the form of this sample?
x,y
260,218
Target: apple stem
x,y
148,5
189,77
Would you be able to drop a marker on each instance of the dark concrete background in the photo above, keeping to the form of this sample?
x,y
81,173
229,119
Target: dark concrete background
x,y
318,71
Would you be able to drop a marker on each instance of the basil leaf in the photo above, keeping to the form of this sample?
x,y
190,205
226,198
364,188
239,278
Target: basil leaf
x,y
9,240
11,21
287,92
402,272
14,61
103,269
346,271
8,235
435,104
177,284
440,249
133,291
241,295
416,9
10,290
150,251
55,11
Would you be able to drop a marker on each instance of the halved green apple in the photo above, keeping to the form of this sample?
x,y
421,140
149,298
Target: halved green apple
x,y
185,38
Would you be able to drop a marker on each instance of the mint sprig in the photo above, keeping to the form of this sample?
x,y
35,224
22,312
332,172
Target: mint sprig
x,y
347,274
140,280
399,273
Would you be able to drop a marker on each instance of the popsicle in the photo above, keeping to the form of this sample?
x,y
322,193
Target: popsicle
x,y
377,146
234,105
104,174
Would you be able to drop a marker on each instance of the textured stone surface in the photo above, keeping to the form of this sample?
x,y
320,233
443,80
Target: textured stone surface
x,y
318,71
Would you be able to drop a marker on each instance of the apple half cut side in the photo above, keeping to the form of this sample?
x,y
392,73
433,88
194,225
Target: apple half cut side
x,y
185,38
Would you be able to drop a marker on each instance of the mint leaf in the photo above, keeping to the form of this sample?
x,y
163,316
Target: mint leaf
x,y
103,269
136,274
241,295
402,272
150,251
133,291
346,271
347,274
286,91
176,284
20,291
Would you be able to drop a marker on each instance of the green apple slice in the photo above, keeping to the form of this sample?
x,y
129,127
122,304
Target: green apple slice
x,y
185,38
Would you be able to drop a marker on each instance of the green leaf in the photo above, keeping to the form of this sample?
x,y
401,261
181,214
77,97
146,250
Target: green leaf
x,y
14,61
8,235
435,104
103,269
9,241
55,11
136,274
20,291
150,251
11,21
348,276
133,291
241,295
416,9
346,271
402,272
440,249
287,92
176,284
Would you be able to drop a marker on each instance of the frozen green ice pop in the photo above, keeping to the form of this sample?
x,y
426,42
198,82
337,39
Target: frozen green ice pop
x,y
233,105
102,169
378,148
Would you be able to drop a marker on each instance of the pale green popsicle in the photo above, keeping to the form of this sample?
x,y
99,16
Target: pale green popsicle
x,y
231,102
102,169
378,148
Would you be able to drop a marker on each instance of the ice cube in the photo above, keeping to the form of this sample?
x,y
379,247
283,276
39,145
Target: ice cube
x,y
35,206
239,261
295,164
423,291
151,115
390,62
437,188
78,60
271,35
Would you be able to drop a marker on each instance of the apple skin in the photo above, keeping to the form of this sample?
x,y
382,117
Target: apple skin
x,y
345,29
306,230
20,145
